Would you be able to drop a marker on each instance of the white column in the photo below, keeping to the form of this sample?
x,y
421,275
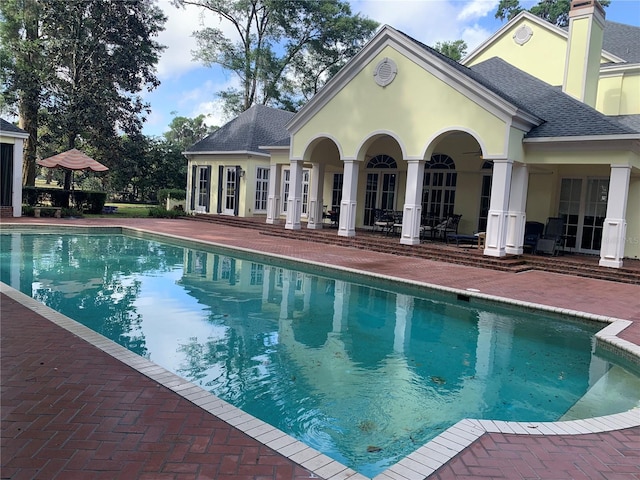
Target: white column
x,y
294,201
516,217
315,196
347,226
498,208
412,211
614,230
273,200
16,195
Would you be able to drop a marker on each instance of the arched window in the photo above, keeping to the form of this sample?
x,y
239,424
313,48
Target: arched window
x,y
380,193
382,161
439,186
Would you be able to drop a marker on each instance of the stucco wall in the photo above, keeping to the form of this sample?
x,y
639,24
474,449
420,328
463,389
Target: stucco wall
x,y
414,108
543,56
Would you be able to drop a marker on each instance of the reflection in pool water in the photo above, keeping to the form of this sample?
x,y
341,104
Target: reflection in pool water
x,y
365,375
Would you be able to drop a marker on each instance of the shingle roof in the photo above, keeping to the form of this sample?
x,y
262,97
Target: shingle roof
x,y
563,115
9,127
622,40
258,126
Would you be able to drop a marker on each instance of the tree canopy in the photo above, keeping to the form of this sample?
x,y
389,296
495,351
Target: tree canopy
x,y
282,51
84,63
454,50
553,11
184,131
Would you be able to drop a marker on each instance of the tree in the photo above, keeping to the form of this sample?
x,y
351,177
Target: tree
x,y
285,50
21,72
454,50
184,131
553,11
93,59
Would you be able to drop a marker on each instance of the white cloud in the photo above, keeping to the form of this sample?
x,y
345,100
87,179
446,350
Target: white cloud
x,y
477,9
431,21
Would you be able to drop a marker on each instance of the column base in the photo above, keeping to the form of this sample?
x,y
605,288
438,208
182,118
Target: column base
x,y
610,263
410,241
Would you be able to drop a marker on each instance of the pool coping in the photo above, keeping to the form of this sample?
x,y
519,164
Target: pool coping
x,y
419,464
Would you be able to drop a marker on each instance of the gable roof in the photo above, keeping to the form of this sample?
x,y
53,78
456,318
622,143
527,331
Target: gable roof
x,y
621,43
8,128
256,127
563,115
457,76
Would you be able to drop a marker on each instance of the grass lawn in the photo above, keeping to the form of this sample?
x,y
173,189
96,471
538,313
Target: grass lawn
x,y
126,210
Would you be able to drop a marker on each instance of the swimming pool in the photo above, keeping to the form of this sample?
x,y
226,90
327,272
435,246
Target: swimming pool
x,y
287,339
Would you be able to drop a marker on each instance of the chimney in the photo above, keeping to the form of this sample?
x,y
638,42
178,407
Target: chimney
x,y
584,50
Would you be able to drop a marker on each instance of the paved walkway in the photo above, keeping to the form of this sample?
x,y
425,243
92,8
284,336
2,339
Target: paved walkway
x,y
69,410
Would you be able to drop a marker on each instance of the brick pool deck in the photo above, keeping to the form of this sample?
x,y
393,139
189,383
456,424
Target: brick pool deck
x,y
70,410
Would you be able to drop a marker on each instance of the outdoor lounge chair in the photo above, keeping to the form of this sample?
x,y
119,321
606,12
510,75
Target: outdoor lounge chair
x,y
551,241
532,232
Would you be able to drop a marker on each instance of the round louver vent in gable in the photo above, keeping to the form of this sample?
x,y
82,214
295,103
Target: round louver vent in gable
x,y
523,35
385,72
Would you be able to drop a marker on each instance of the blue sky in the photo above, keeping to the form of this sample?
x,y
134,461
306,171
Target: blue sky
x,y
189,89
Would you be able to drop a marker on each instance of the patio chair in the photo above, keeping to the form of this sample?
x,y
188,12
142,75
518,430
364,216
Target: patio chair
x,y
383,221
532,232
442,229
551,241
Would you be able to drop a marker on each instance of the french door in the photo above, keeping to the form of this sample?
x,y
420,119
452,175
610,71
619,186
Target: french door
x,y
583,206
201,191
229,195
380,194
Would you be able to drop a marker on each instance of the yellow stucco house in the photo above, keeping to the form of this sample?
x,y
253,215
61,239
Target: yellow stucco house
x,y
537,122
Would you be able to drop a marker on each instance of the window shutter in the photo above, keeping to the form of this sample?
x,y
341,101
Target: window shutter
x,y
236,208
194,181
220,180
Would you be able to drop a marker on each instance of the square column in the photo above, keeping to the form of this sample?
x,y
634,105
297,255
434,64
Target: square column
x,y
347,225
516,217
614,230
495,245
315,196
273,200
294,202
16,194
412,210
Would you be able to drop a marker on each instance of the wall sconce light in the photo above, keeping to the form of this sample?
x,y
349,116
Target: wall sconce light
x,y
241,173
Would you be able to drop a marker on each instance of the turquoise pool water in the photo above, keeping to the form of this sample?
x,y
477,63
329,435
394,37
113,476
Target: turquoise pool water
x,y
365,375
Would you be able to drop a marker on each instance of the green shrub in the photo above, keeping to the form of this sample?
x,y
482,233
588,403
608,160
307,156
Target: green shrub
x,y
160,212
91,202
27,211
175,193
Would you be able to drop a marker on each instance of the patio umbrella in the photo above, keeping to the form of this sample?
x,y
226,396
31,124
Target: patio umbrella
x,y
72,160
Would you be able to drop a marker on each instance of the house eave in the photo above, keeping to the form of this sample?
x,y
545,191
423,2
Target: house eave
x,y
585,138
228,152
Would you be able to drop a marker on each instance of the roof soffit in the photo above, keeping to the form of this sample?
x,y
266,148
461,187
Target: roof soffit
x,y
521,18
389,37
